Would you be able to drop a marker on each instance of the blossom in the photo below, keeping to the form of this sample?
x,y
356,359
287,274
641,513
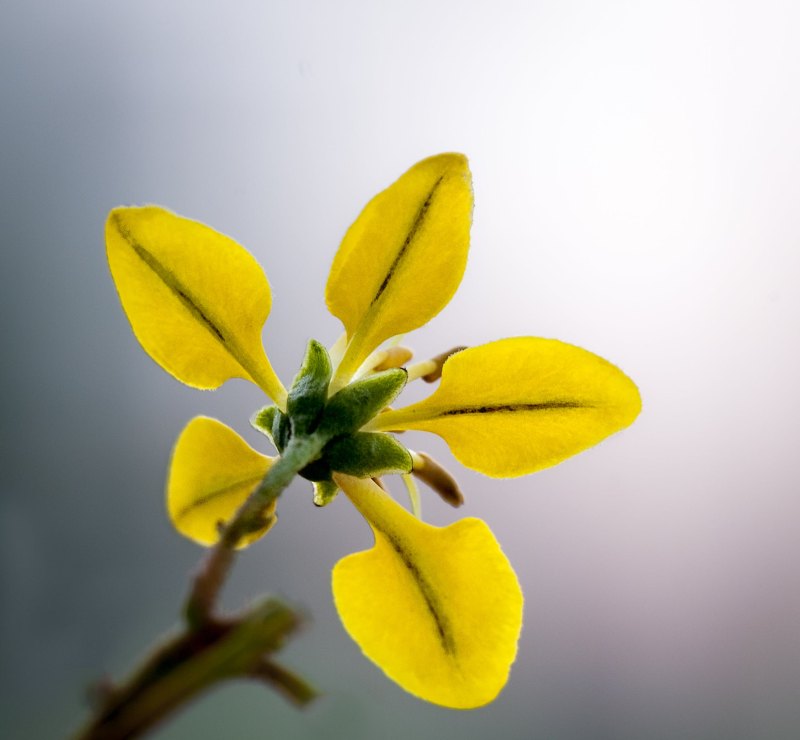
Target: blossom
x,y
439,609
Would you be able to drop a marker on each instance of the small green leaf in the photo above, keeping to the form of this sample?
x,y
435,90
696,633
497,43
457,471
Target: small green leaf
x,y
281,430
309,389
263,421
367,454
324,492
353,406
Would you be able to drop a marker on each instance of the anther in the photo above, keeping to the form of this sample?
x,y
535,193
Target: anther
x,y
436,477
439,361
431,370
393,357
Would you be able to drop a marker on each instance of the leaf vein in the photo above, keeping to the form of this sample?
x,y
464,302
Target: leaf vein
x,y
514,407
169,279
211,495
428,596
412,232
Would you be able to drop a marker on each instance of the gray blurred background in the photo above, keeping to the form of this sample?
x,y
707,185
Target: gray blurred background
x,y
637,179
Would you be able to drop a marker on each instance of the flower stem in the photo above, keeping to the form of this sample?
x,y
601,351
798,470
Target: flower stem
x,y
292,686
188,664
213,571
211,649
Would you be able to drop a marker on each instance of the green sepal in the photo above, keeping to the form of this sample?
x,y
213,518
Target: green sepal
x,y
317,471
309,389
281,430
324,492
353,406
367,454
263,421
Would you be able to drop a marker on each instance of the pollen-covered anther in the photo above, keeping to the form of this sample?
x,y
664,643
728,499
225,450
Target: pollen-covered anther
x,y
430,472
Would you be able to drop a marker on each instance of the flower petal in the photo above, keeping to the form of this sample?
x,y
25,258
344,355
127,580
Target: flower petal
x,y
519,405
213,471
403,258
196,300
439,609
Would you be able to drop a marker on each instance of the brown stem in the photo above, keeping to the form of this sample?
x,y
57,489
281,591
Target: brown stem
x,y
211,576
209,649
207,583
188,664
293,687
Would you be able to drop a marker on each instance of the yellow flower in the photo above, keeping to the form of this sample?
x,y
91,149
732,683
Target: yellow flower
x,y
438,609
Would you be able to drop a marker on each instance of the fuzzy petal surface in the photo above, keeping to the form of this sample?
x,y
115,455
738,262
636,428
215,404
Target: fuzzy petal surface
x,y
403,258
213,471
519,405
439,609
196,300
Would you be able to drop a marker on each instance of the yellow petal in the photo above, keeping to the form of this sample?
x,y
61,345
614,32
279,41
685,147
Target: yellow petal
x,y
212,473
439,609
519,405
197,301
403,258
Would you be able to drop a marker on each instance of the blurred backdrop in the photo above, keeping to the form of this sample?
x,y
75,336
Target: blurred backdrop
x,y
637,179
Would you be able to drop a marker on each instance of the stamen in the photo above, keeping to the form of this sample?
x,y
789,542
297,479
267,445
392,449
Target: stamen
x,y
421,369
413,495
384,359
336,352
369,364
439,361
431,370
436,477
394,357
